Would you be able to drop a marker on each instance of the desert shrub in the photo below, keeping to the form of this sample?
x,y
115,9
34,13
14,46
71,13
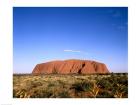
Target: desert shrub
x,y
41,93
123,80
125,90
104,94
61,83
83,86
64,94
51,85
20,93
105,84
33,84
120,91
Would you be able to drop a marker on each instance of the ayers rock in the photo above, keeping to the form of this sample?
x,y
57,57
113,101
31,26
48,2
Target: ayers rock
x,y
72,66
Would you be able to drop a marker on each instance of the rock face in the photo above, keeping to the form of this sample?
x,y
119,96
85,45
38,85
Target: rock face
x,y
72,66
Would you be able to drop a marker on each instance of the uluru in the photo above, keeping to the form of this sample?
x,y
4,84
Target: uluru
x,y
70,66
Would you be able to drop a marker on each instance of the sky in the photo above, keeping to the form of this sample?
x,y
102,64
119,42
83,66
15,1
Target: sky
x,y
42,34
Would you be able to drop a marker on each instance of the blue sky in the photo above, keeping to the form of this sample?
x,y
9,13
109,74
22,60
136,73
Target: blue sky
x,y
41,34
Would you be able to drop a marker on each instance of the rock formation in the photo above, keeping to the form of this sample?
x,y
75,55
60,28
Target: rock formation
x,y
72,66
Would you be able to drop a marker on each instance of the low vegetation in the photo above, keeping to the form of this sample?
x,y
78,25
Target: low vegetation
x,y
113,85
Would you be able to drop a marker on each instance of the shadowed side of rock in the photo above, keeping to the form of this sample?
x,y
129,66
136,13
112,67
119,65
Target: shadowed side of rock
x,y
70,67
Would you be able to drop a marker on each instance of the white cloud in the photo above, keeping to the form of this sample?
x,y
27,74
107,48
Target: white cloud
x,y
77,51
72,51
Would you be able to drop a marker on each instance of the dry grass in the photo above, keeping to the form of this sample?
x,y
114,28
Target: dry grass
x,y
70,86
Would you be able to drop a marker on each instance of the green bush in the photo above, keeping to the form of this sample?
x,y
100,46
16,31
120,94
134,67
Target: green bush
x,y
41,93
83,86
64,94
104,94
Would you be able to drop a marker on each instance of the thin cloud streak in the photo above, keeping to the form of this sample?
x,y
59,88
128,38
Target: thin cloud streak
x,y
77,51
72,51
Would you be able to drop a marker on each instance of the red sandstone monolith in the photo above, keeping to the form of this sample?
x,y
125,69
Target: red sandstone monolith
x,y
72,66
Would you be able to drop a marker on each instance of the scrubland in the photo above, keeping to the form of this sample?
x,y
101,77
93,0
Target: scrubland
x,y
112,85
